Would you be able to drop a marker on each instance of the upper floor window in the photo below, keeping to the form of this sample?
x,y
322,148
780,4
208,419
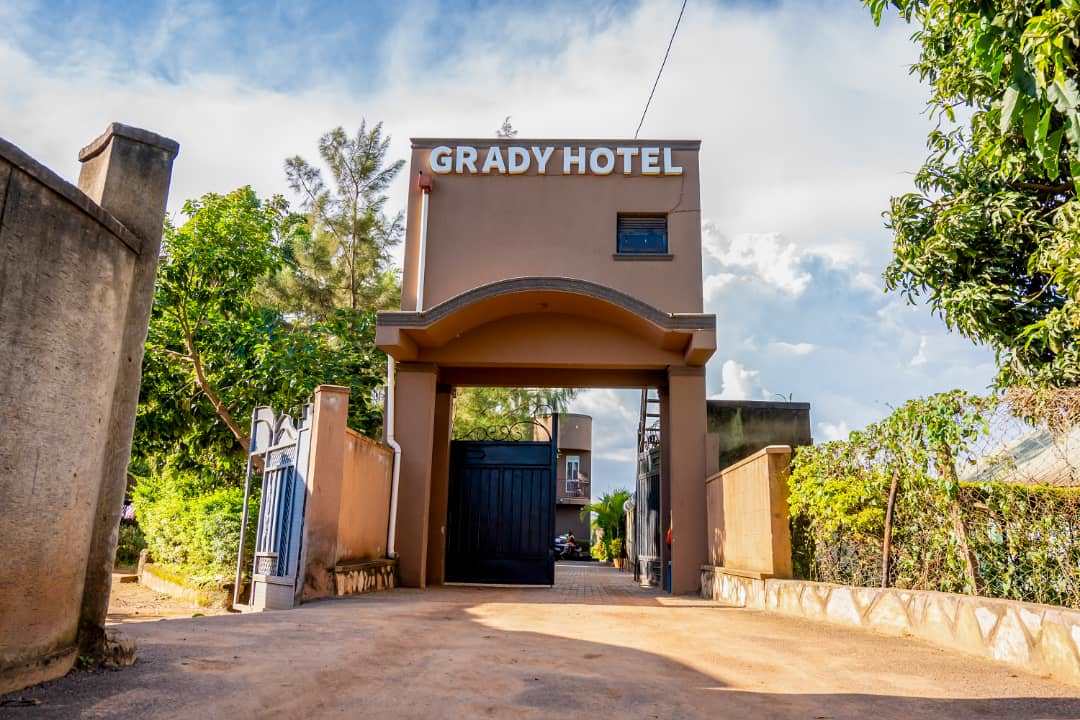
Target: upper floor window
x,y
642,235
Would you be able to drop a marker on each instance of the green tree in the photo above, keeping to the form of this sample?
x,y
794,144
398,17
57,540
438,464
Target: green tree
x,y
493,411
991,235
215,350
344,261
609,516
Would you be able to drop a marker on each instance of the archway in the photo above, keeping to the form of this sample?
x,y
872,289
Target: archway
x,y
553,332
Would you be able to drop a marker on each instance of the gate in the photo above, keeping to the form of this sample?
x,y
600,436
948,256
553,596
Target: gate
x,y
500,520
282,448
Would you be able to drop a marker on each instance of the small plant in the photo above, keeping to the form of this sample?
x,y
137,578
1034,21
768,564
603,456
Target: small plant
x,y
130,543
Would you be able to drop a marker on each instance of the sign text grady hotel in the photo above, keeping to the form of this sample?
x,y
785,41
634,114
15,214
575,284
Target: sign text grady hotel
x,y
517,160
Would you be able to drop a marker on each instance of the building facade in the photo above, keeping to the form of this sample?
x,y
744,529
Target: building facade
x,y
573,473
548,263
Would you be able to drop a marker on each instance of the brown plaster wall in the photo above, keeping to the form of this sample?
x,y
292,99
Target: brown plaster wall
x,y
552,340
348,504
365,499
415,432
683,445
74,300
440,485
553,225
748,515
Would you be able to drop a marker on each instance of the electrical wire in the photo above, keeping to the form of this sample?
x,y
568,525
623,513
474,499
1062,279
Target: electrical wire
x,y
661,71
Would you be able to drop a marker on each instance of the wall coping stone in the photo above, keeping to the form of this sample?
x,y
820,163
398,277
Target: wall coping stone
x,y
75,196
767,450
98,144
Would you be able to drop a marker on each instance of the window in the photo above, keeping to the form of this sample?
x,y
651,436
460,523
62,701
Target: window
x,y
642,235
573,476
573,466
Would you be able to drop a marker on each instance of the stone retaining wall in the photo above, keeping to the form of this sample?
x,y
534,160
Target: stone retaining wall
x,y
365,577
154,579
1042,639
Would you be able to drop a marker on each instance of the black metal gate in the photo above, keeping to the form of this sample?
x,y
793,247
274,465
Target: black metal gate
x,y
500,521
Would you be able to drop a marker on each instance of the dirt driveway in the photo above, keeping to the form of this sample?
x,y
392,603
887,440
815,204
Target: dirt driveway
x,y
593,646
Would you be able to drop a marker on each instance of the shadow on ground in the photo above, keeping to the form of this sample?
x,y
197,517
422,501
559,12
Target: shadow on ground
x,y
466,652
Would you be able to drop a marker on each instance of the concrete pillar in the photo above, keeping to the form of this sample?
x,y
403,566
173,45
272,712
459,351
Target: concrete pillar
x,y
685,449
440,485
414,430
324,477
127,171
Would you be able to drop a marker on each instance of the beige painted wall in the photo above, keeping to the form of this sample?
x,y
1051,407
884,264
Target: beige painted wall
x,y
748,514
348,503
365,499
553,225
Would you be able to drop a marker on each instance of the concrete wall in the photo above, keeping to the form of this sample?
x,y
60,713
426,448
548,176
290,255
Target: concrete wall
x,y
742,427
76,284
348,503
1035,638
748,514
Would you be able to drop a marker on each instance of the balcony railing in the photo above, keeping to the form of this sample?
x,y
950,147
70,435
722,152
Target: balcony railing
x,y
576,489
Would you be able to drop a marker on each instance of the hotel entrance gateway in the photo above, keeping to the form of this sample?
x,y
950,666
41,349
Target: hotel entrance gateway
x,y
548,263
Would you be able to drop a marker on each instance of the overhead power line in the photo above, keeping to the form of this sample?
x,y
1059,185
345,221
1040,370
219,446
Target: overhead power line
x,y
661,71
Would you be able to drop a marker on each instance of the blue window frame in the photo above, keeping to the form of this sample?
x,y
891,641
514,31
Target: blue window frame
x,y
642,235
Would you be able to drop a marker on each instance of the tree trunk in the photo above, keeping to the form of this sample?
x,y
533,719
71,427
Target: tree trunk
x,y
211,393
886,540
971,573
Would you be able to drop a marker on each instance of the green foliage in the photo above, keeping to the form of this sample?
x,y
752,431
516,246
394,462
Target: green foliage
x,y
991,236
505,412
192,521
130,543
1023,540
608,515
215,350
344,260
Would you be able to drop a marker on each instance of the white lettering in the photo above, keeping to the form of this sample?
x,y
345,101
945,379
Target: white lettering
x,y
494,160
518,159
669,167
650,158
576,160
466,157
442,160
627,154
542,158
594,161
569,158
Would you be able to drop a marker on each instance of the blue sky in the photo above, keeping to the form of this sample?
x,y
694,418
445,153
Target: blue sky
x,y
808,118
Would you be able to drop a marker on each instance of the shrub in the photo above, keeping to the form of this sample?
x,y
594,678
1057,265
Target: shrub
x,y
994,538
192,521
130,543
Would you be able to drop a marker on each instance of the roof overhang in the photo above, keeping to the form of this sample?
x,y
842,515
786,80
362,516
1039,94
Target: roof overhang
x,y
406,334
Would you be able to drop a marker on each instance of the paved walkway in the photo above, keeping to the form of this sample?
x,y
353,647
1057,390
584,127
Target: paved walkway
x,y
593,646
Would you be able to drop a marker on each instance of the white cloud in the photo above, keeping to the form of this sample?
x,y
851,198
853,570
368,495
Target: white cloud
x,y
713,284
800,348
833,431
738,382
795,170
764,257
920,356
